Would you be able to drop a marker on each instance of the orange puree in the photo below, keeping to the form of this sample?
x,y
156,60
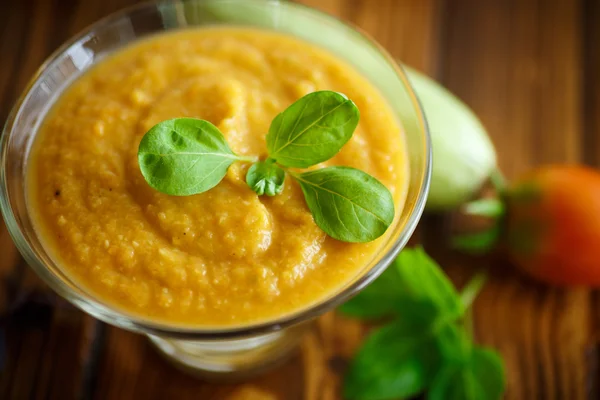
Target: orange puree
x,y
226,256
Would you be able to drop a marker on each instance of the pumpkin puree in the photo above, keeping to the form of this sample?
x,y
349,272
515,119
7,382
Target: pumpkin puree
x,y
226,256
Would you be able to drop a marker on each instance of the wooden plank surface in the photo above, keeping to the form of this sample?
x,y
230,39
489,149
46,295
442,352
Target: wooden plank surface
x,y
518,65
529,68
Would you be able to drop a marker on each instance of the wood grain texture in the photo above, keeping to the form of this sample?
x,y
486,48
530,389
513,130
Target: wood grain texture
x,y
529,68
518,65
591,115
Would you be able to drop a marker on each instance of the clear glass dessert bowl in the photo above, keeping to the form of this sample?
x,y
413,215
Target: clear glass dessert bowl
x,y
231,350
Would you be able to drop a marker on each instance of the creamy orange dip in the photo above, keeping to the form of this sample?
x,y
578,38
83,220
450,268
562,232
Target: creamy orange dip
x,y
226,256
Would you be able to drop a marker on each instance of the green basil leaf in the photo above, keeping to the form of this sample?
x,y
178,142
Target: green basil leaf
x,y
488,369
423,279
312,130
452,341
377,300
412,276
346,203
452,382
184,156
265,177
396,361
479,377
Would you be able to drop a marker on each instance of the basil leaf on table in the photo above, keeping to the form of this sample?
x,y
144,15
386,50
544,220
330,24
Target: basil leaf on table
x,y
265,177
346,203
426,346
404,357
488,369
312,130
184,156
452,341
479,377
422,278
396,361
377,300
413,275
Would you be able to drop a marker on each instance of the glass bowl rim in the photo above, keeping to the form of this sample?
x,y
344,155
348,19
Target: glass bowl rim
x,y
116,317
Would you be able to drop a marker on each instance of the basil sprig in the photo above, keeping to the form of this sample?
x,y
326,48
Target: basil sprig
x,y
426,345
186,156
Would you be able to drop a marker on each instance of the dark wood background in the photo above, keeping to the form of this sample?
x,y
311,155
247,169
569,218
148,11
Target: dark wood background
x,y
529,68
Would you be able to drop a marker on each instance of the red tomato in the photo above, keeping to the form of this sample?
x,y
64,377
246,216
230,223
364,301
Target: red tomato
x,y
553,224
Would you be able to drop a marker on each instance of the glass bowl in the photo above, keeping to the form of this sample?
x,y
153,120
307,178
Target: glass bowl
x,y
230,351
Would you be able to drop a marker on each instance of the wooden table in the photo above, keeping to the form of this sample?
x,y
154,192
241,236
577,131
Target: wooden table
x,y
529,68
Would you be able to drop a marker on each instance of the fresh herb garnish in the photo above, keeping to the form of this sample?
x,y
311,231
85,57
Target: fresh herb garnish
x,y
185,156
188,156
426,346
348,204
265,177
312,130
